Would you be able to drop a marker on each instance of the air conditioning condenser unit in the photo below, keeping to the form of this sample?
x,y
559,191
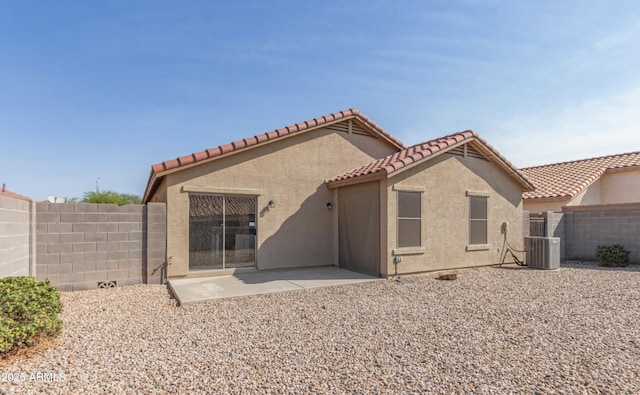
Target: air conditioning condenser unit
x,y
543,252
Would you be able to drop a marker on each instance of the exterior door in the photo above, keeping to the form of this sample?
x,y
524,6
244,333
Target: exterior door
x,y
222,231
359,228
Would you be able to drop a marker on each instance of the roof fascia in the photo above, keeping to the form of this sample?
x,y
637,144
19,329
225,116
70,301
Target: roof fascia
x,y
621,169
356,180
152,185
548,199
155,178
281,138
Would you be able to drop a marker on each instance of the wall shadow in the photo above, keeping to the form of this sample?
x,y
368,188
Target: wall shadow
x,y
304,239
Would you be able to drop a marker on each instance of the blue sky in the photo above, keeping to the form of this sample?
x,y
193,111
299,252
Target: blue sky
x,y
105,89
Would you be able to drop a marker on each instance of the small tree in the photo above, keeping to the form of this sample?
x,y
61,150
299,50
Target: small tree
x,y
110,197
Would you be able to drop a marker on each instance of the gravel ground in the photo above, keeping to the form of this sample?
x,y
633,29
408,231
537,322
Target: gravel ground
x,y
491,331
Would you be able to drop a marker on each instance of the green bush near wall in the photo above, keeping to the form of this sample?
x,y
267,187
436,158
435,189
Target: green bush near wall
x,y
615,255
28,312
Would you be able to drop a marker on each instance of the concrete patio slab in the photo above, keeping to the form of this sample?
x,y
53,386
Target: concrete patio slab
x,y
194,290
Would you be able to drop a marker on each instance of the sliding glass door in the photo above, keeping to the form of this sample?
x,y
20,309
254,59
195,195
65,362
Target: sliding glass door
x,y
240,231
222,231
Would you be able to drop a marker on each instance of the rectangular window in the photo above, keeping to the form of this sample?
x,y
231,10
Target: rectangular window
x,y
477,220
409,219
222,231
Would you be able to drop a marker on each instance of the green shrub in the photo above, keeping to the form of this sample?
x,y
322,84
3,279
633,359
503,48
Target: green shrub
x,y
612,255
28,312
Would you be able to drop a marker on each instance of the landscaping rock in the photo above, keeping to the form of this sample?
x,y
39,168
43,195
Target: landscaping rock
x,y
493,331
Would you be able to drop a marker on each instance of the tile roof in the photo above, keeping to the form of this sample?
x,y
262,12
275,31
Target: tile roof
x,y
159,169
568,179
274,135
4,192
429,149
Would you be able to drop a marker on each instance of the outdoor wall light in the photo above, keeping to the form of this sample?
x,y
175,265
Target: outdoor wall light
x,y
329,206
271,204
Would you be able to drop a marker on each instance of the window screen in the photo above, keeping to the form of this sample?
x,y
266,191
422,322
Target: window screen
x,y
409,219
478,220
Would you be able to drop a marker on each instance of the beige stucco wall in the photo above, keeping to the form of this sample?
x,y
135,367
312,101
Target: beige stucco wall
x,y
591,195
536,207
445,213
299,231
620,187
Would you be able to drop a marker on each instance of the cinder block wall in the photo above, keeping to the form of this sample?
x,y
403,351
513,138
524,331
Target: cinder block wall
x,y
555,228
81,245
585,229
156,243
14,237
582,228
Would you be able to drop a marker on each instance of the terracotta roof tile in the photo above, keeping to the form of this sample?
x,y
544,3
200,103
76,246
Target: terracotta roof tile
x,y
158,169
202,155
399,160
568,179
224,149
185,160
4,192
170,164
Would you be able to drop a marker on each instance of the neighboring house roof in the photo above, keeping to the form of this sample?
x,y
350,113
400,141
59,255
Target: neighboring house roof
x,y
567,179
419,153
166,167
4,192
